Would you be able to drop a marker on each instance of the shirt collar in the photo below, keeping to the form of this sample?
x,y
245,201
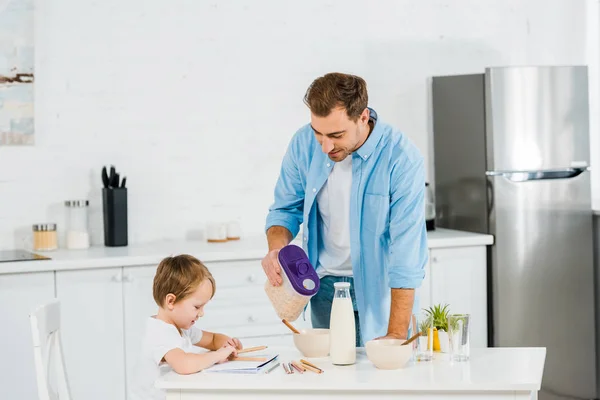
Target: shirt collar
x,y
369,145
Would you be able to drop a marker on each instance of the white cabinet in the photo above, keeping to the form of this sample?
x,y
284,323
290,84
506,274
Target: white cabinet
x,y
459,278
138,304
19,295
92,332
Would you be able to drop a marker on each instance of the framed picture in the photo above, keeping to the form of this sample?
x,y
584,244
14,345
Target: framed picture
x,y
16,72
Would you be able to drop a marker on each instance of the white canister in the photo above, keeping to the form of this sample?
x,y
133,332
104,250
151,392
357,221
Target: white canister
x,y
233,230
216,232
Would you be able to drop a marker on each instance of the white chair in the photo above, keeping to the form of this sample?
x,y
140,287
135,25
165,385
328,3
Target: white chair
x,y
47,352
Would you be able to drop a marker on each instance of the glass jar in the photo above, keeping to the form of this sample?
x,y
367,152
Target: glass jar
x,y
77,235
45,237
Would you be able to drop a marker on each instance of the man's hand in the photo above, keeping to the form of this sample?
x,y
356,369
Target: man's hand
x,y
271,267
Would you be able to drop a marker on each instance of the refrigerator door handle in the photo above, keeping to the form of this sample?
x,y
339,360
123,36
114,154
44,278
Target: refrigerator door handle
x,y
490,196
525,176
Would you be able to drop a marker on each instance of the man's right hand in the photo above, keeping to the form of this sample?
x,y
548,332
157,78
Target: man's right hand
x,y
271,267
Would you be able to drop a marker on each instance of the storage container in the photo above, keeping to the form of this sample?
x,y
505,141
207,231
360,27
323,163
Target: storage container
x,y
300,283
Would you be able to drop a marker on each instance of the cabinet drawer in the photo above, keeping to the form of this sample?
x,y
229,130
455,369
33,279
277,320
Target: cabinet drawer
x,y
232,274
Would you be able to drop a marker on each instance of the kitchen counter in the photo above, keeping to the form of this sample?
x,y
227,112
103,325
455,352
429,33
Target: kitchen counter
x,y
247,248
499,373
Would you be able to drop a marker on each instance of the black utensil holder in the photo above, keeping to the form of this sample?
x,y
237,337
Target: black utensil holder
x,y
114,207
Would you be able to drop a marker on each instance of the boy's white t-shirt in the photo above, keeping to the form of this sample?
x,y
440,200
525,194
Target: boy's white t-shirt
x,y
159,339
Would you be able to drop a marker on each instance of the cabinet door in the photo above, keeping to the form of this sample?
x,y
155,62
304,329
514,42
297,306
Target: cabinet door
x,y
458,278
20,294
138,306
92,320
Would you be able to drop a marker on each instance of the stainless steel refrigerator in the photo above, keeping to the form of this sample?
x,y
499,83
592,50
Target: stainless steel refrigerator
x,y
511,154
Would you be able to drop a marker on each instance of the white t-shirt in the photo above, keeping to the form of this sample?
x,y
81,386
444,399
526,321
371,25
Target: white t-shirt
x,y
158,340
334,228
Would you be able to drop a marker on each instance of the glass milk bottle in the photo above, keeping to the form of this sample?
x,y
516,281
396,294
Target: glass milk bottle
x,y
342,331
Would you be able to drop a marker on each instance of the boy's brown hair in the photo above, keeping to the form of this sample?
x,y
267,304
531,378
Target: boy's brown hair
x,y
337,90
180,275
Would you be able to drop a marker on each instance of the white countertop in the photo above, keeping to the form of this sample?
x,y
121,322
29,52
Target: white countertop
x,y
491,369
247,248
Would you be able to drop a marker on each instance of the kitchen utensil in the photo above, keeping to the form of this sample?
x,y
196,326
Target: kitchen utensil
x,y
123,181
412,338
300,283
116,180
105,180
290,326
111,177
251,349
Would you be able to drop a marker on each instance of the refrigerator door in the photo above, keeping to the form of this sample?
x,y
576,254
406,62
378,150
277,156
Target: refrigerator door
x,y
536,117
543,274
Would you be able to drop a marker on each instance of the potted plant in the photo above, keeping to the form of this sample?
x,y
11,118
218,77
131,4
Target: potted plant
x,y
439,316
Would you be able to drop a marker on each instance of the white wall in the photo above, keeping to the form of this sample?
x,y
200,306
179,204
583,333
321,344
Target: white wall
x,y
195,101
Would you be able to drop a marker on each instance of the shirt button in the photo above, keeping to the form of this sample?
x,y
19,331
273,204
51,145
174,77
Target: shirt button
x,y
314,190
305,238
328,164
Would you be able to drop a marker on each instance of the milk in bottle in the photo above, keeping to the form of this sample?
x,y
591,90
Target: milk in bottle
x,y
342,350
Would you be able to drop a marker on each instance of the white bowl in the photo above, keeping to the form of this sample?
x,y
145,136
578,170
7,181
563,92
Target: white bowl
x,y
388,353
313,343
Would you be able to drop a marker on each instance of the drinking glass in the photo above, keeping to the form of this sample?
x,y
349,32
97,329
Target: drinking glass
x,y
458,335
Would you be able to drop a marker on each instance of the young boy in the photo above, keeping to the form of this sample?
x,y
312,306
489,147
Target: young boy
x,y
182,287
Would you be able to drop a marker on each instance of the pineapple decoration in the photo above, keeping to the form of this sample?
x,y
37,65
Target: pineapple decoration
x,y
439,315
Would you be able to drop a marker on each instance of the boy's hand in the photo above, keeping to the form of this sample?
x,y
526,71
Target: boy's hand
x,y
225,353
235,342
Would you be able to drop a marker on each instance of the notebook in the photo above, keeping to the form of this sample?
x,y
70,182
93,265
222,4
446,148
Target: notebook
x,y
246,367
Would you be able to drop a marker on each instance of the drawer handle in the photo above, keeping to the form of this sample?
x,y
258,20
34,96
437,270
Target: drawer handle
x,y
251,278
251,318
116,278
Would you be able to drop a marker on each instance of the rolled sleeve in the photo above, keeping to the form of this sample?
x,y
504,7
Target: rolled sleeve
x,y
288,205
408,233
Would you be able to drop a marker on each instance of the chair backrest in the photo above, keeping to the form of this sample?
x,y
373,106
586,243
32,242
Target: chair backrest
x,y
47,350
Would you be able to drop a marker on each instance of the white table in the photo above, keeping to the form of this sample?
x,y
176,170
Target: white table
x,y
494,373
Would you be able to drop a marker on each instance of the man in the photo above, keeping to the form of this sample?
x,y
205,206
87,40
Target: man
x,y
357,185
